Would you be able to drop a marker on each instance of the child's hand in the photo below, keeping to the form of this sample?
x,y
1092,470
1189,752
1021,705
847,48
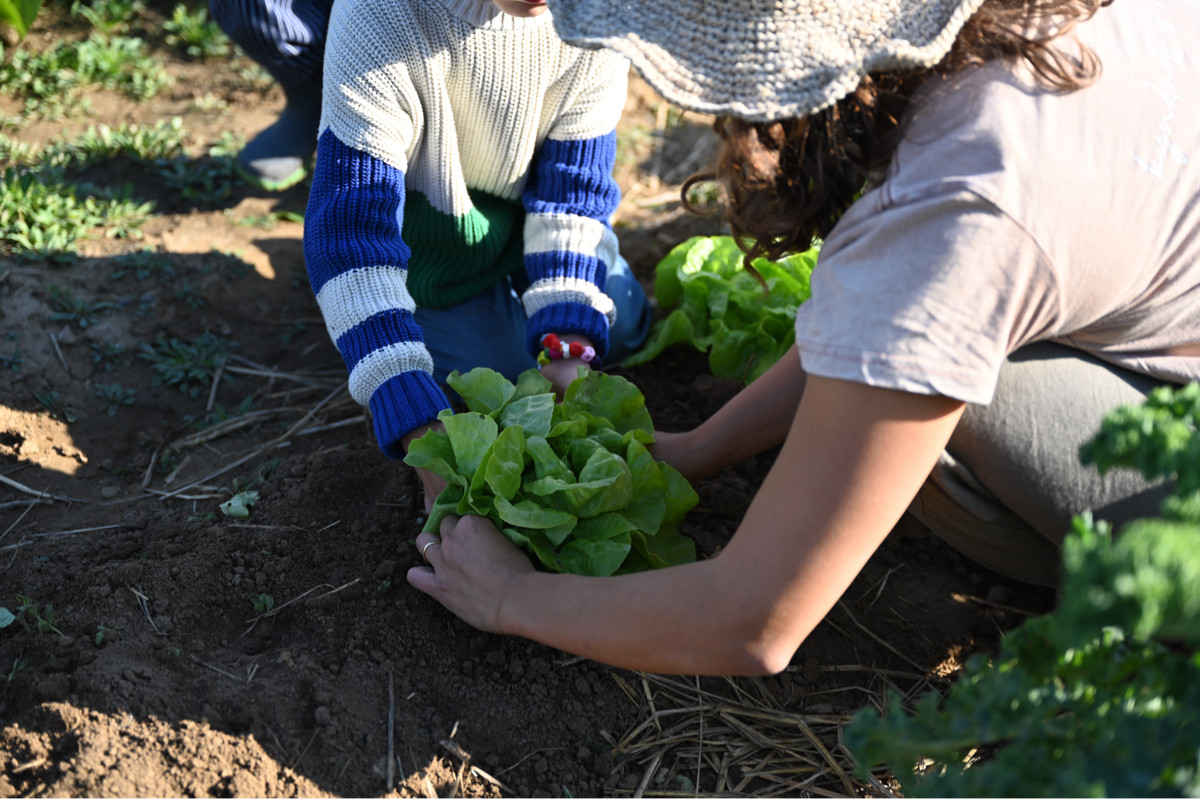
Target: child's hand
x,y
431,483
565,371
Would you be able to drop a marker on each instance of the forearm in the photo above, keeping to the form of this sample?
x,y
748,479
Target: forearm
x,y
668,621
755,420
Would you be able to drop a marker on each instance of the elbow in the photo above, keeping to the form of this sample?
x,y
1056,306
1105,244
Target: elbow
x,y
761,652
765,660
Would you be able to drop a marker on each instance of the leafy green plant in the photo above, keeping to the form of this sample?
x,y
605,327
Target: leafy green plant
x,y
1101,697
109,16
719,307
43,216
146,144
19,14
40,620
49,82
189,365
103,633
66,307
264,603
196,33
107,355
573,484
112,396
54,403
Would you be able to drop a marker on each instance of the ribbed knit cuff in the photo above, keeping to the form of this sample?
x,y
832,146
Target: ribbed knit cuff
x,y
568,317
403,404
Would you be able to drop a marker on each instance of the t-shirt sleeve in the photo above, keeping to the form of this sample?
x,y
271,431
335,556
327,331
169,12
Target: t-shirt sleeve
x,y
928,296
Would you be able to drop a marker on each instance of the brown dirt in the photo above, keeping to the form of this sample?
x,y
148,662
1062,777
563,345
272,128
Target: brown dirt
x,y
161,678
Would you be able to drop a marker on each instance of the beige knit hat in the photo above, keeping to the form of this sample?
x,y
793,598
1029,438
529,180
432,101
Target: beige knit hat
x,y
763,60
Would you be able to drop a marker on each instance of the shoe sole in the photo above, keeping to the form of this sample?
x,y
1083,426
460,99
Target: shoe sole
x,y
271,185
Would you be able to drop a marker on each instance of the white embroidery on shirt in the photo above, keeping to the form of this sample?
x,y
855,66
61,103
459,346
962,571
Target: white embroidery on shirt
x,y
1167,60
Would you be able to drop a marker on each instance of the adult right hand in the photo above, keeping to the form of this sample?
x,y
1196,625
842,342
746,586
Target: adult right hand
x,y
682,451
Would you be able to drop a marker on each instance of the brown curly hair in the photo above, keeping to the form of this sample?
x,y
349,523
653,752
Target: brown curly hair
x,y
787,182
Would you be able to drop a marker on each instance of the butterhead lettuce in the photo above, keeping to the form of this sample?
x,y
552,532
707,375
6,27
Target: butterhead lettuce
x,y
572,483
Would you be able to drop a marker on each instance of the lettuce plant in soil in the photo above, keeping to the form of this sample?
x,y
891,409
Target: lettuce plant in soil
x,y
1102,696
719,308
573,484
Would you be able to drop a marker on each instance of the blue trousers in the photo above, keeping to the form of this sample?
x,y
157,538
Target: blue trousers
x,y
287,37
489,329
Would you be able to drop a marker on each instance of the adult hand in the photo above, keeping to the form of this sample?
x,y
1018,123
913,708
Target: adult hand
x,y
471,565
681,450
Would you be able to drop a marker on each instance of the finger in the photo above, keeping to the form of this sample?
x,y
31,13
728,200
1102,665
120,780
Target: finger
x,y
425,544
422,578
448,524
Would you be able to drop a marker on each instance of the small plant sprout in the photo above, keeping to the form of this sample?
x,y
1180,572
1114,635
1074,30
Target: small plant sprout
x,y
19,15
263,603
54,403
41,619
189,365
112,396
195,33
65,307
103,633
109,16
107,355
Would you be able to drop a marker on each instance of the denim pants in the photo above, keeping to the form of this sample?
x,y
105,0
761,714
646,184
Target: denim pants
x,y
287,37
489,329
1009,481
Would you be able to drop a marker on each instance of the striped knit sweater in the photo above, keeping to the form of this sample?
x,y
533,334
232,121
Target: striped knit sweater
x,y
456,142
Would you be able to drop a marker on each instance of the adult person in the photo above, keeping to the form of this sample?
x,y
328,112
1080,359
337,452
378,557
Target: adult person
x,y
1026,258
286,37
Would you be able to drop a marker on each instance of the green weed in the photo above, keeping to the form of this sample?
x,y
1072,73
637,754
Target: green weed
x,y
41,216
112,396
103,632
40,620
145,264
199,37
98,144
66,307
49,82
205,181
188,365
54,403
12,362
109,16
263,603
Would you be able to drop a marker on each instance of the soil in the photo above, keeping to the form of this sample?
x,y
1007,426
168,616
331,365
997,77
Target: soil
x,y
188,652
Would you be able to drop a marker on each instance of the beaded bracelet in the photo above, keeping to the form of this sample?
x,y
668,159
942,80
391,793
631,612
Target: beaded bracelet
x,y
556,349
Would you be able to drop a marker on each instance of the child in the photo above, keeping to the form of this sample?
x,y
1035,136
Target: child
x,y
1026,259
287,37
465,155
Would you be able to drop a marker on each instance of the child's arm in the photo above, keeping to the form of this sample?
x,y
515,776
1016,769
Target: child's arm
x,y
357,261
568,199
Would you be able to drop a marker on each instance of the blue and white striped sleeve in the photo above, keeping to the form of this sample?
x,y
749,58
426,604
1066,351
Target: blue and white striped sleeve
x,y
357,264
569,198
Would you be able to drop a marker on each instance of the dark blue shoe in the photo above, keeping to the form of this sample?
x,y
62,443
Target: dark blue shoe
x,y
278,157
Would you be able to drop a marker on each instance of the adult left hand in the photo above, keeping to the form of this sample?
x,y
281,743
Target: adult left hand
x,y
471,565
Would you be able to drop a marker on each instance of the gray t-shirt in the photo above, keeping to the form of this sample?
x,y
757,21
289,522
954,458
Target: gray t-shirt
x,y
1011,214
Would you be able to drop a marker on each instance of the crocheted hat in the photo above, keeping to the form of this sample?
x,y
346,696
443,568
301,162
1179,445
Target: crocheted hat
x,y
764,60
